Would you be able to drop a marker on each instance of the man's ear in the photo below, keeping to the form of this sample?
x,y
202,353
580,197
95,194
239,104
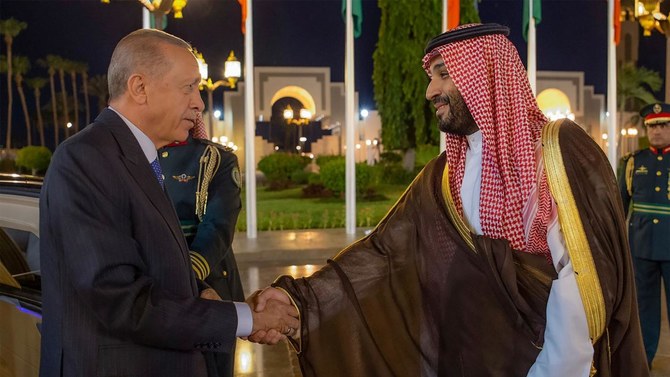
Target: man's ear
x,y
137,88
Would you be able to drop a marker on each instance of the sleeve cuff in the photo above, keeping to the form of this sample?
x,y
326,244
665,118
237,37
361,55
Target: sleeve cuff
x,y
245,321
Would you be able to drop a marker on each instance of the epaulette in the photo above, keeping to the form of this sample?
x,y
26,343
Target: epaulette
x,y
222,147
631,154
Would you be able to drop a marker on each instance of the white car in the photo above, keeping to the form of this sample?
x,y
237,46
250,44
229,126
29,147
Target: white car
x,y
20,284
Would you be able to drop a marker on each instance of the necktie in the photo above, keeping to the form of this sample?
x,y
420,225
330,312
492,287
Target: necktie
x,y
156,166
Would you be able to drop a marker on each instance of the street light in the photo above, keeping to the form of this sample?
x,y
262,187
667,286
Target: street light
x,y
232,72
305,118
160,8
648,13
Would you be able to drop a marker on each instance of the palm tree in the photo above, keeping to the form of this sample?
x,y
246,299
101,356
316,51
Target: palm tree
x,y
83,71
51,62
21,67
37,83
10,29
99,88
73,68
633,87
61,65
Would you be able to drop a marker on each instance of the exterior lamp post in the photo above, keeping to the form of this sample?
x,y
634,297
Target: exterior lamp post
x,y
232,72
160,9
305,118
648,14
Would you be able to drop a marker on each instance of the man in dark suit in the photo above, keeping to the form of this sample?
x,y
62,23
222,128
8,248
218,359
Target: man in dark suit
x,y
203,180
119,295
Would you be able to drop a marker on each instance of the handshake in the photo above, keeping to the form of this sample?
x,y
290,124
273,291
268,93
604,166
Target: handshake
x,y
274,315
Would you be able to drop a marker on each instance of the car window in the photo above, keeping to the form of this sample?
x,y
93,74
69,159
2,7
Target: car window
x,y
19,253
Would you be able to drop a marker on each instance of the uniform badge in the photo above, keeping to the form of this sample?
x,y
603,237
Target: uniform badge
x,y
182,178
237,177
657,108
641,170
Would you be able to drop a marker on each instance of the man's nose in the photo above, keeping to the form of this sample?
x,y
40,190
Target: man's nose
x,y
198,102
432,90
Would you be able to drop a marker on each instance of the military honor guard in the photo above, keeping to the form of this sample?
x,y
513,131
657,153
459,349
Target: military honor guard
x,y
203,180
645,189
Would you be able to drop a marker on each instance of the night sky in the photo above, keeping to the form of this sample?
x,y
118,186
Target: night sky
x,y
572,36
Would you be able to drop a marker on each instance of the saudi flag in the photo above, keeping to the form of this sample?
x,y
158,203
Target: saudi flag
x,y
537,15
357,13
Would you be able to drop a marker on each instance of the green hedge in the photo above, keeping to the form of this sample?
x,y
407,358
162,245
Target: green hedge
x,y
279,168
333,176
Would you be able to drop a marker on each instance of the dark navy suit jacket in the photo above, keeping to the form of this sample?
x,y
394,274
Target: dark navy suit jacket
x,y
119,295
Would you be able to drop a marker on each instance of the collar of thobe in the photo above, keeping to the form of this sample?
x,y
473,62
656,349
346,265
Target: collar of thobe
x,y
475,142
146,144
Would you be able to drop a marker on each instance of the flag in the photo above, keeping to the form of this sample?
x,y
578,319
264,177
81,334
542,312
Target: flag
x,y
152,22
243,5
357,13
617,21
453,13
537,15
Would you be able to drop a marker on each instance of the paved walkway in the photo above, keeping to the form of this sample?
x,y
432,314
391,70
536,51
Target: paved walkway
x,y
300,253
293,246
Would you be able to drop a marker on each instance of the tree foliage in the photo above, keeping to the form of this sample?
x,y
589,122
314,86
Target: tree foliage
x,y
635,87
35,158
399,81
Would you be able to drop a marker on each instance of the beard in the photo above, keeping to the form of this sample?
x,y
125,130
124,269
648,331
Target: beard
x,y
458,120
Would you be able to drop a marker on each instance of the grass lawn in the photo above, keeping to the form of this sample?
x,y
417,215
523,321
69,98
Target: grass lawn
x,y
286,209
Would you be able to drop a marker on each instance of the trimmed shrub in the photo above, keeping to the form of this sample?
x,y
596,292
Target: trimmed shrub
x,y
389,158
34,158
279,167
333,176
393,174
300,177
323,160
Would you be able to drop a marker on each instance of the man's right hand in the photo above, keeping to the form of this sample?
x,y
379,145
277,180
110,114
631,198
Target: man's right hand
x,y
273,322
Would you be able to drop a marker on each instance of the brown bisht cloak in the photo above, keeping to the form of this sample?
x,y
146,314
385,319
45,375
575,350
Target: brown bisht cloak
x,y
421,296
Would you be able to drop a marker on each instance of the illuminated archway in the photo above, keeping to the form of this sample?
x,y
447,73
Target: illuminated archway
x,y
555,104
298,93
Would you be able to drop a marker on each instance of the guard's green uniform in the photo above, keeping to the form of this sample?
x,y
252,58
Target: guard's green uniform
x,y
203,181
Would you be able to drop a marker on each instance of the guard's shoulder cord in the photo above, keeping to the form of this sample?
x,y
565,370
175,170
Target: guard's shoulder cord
x,y
630,166
209,164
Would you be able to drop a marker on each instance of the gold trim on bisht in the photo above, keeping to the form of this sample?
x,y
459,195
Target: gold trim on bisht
x,y
452,212
573,231
209,164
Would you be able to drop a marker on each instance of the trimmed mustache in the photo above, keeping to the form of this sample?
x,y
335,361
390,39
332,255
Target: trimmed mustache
x,y
441,100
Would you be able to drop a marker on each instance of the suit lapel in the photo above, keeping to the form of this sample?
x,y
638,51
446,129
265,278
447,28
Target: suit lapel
x,y
138,167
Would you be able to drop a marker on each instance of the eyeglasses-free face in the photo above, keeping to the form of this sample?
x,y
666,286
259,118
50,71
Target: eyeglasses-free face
x,y
658,125
658,134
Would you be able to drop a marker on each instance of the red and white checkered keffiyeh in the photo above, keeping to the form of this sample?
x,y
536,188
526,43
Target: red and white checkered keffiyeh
x,y
198,131
489,75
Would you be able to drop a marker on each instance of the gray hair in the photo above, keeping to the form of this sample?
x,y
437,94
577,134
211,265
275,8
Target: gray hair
x,y
140,51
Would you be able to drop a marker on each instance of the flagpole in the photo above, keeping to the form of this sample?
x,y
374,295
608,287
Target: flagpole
x,y
146,23
249,123
611,88
350,170
445,26
532,54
